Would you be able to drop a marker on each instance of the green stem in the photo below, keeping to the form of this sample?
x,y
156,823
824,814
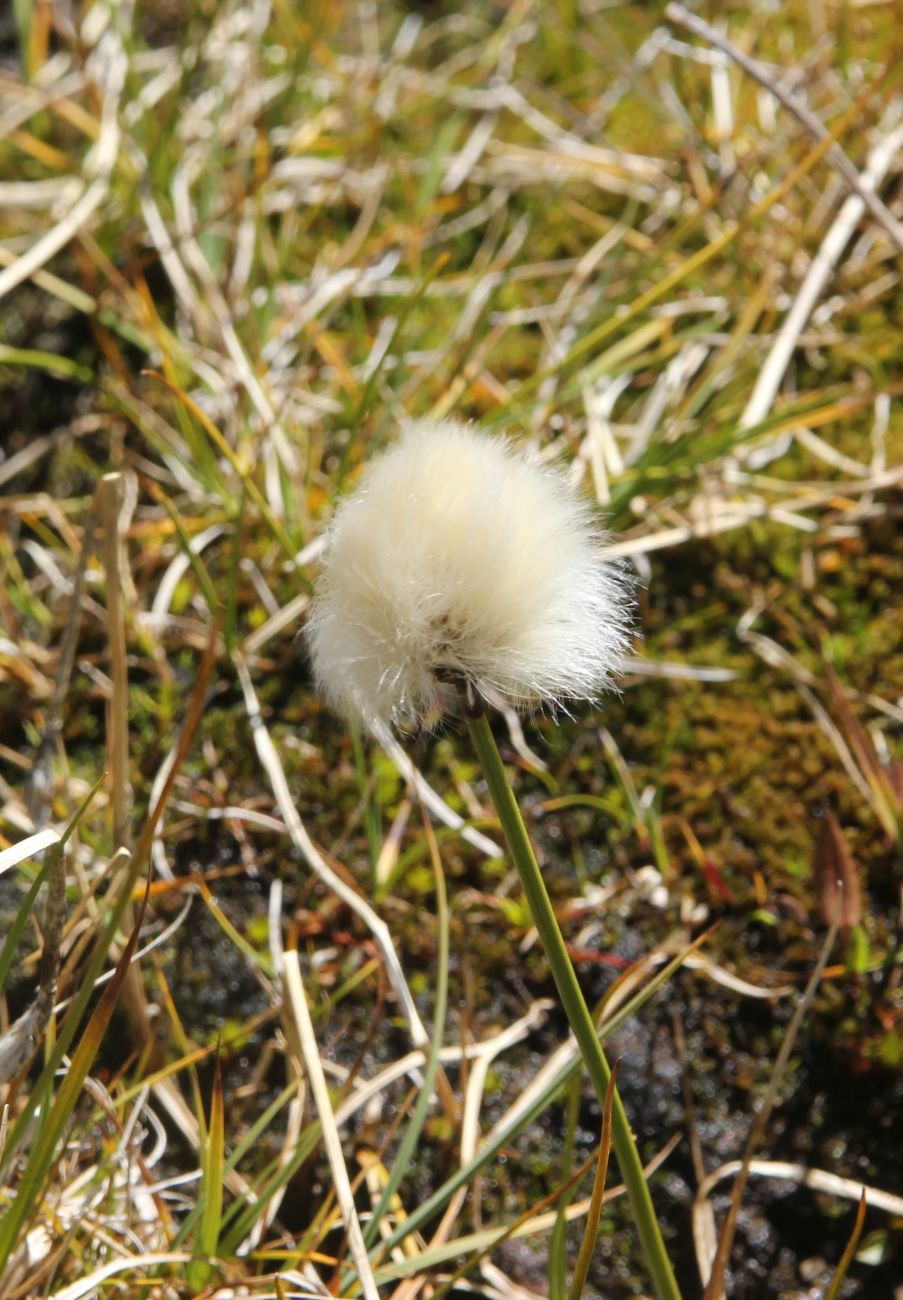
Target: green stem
x,y
575,1007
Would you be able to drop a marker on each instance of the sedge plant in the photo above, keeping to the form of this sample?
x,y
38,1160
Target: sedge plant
x,y
458,577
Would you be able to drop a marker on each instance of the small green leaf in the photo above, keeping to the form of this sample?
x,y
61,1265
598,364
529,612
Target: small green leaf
x,y
858,951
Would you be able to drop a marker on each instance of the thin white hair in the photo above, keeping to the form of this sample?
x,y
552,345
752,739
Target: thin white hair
x,y
458,562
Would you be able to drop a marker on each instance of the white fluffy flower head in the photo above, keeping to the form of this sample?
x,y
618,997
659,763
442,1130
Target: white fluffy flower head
x,y
458,565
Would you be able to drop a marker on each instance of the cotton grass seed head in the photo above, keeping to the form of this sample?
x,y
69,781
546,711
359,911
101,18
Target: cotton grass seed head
x,y
458,566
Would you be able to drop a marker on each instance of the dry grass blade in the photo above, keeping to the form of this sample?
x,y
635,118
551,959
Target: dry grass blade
x,y
18,1044
817,1180
297,1000
30,847
109,502
428,796
483,1051
846,1258
895,777
113,66
772,653
433,1076
547,1082
270,761
880,785
775,367
89,1284
243,471
678,14
483,1244
591,1228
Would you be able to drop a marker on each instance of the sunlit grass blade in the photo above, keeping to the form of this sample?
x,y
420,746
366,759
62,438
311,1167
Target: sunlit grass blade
x,y
407,307
48,362
210,1191
255,1132
16,929
42,1155
306,1044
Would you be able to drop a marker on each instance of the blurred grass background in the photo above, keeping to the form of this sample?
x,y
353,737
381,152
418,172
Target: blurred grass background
x,y
240,242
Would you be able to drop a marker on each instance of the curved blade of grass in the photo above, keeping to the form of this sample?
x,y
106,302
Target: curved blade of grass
x,y
201,572
591,1229
296,999
30,847
14,934
846,1258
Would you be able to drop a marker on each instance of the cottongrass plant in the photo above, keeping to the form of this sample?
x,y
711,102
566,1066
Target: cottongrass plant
x,y
459,565
461,575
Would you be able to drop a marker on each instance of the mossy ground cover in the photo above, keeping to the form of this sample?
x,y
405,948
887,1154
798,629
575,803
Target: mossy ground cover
x,y
282,228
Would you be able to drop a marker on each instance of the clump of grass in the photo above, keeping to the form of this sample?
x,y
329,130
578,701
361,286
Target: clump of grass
x,y
234,253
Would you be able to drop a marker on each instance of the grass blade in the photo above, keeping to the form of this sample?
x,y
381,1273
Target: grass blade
x,y
591,1228
297,1001
44,1152
846,1258
210,1196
